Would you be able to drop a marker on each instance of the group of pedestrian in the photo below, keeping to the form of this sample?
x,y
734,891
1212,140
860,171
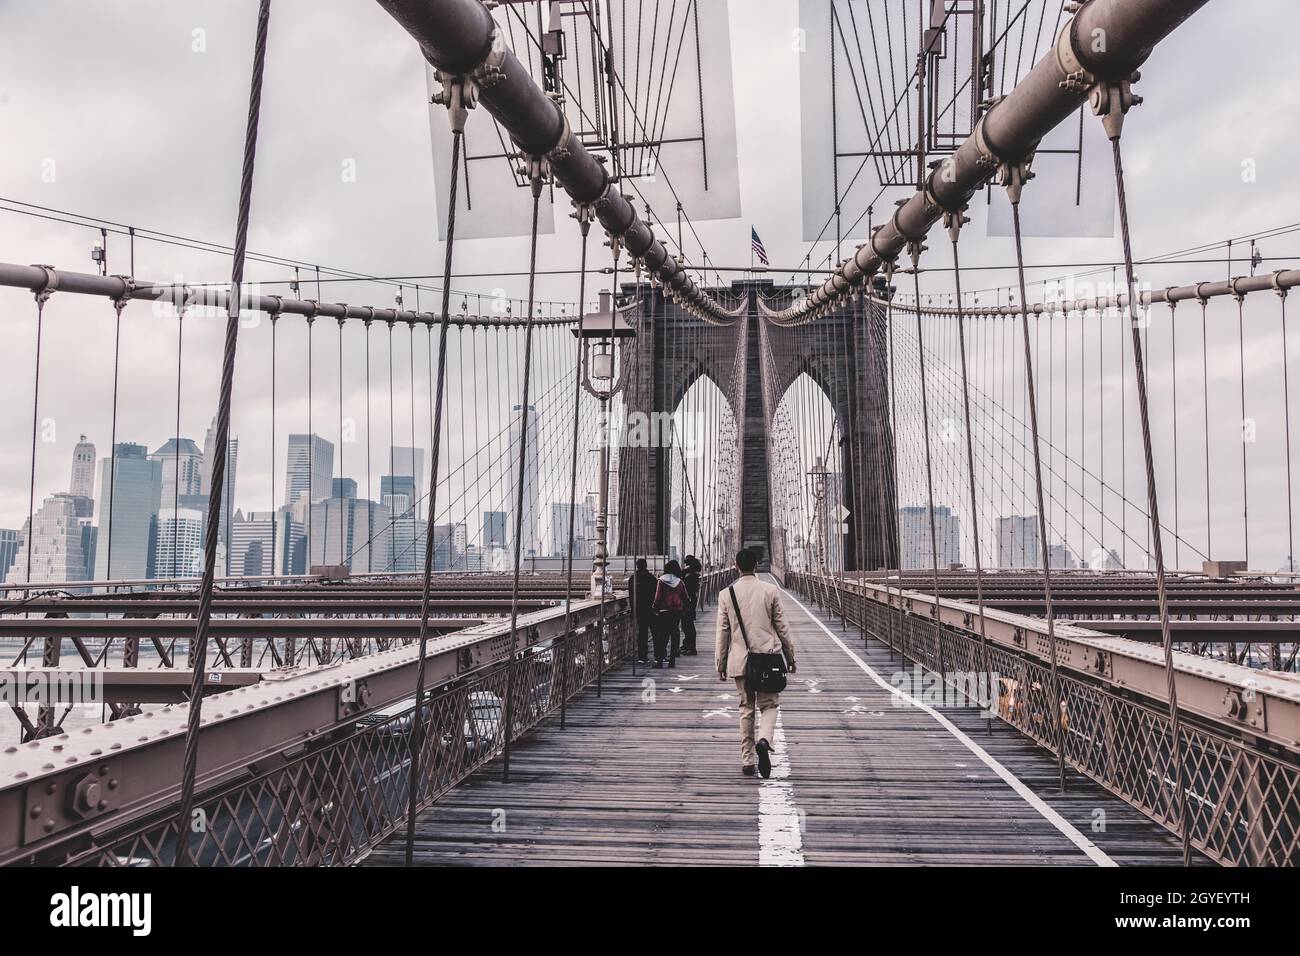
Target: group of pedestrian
x,y
753,644
664,608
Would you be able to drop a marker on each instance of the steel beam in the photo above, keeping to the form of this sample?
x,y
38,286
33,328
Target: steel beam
x,y
1011,129
460,38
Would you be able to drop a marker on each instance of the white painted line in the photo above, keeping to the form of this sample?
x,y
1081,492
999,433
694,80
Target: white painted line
x,y
1067,829
780,840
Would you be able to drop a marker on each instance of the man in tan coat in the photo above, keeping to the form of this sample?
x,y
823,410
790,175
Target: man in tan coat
x,y
765,627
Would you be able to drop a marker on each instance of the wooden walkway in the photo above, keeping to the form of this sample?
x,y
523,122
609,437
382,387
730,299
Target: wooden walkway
x,y
649,773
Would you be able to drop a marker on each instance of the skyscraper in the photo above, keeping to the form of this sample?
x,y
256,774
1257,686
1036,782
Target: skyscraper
x,y
83,469
343,488
917,551
309,469
264,543
180,460
1018,542
410,462
62,543
178,545
130,490
531,545
8,549
494,529
559,530
352,532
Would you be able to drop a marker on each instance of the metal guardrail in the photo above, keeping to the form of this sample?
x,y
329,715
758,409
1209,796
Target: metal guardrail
x,y
330,780
1242,780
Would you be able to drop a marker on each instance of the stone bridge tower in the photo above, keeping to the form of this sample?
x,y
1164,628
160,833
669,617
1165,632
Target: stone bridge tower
x,y
846,357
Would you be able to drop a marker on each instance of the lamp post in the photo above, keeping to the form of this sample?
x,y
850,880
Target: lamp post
x,y
817,479
603,380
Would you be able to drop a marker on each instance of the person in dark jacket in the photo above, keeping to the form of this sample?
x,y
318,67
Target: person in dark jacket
x,y
670,601
641,592
691,578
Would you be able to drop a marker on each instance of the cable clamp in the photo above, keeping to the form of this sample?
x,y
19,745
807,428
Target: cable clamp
x,y
953,221
1077,79
1112,101
128,287
1275,280
1236,293
51,284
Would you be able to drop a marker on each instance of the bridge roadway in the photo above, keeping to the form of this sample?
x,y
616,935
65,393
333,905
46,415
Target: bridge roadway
x,y
649,773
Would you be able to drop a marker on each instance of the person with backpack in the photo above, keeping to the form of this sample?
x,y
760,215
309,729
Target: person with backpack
x,y
691,578
754,649
669,603
641,586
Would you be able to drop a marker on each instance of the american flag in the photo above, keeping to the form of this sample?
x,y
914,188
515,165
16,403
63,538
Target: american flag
x,y
756,244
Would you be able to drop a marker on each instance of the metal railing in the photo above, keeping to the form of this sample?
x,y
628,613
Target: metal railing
x,y
1243,792
332,805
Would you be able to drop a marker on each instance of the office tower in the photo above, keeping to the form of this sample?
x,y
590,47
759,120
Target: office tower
x,y
397,493
494,529
449,547
352,532
178,545
409,462
265,543
62,543
8,549
1018,542
182,471
1060,556
343,488
916,549
83,469
531,545
309,469
559,530
128,521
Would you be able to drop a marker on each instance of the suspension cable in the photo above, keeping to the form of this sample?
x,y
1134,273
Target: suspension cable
x,y
190,766
1119,99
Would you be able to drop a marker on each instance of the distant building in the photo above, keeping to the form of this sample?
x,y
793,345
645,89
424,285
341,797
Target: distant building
x,y
350,531
1018,542
449,547
62,543
228,488
83,470
409,463
916,549
178,546
583,530
182,471
494,530
309,469
130,490
8,549
1060,556
343,487
531,544
265,543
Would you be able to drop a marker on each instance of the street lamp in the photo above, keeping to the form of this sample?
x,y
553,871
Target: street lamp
x,y
598,331
818,477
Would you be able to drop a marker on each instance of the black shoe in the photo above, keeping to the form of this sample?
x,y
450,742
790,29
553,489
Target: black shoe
x,y
748,770
643,660
764,761
672,662
659,665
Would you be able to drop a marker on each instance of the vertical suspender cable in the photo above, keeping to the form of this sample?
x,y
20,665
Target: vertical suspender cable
x,y
1054,702
190,767
955,223
456,112
537,181
1113,125
584,224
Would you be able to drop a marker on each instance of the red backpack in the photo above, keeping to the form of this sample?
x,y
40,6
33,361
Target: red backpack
x,y
670,599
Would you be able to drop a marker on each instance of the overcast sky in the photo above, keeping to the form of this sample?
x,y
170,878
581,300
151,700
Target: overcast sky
x,y
133,110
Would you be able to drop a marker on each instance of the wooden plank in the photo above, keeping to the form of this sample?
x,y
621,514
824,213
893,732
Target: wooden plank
x,y
649,774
